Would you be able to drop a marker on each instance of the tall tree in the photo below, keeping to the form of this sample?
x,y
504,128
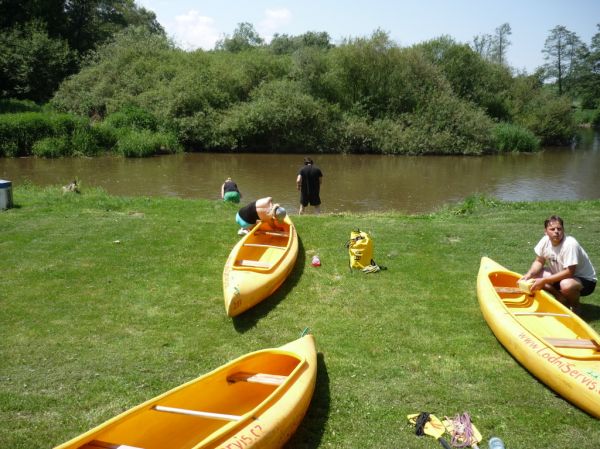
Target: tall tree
x,y
244,37
587,75
284,44
493,47
500,43
594,73
563,52
482,45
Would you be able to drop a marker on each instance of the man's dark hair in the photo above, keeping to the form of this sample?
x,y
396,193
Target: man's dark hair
x,y
308,161
548,220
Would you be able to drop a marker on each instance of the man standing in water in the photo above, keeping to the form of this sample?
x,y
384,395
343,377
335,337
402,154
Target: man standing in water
x,y
569,274
308,182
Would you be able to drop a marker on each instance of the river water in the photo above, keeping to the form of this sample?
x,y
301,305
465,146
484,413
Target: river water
x,y
351,183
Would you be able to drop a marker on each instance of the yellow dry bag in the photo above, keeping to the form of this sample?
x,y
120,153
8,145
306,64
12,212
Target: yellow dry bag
x,y
360,249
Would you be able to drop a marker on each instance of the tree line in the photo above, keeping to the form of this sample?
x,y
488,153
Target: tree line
x,y
127,88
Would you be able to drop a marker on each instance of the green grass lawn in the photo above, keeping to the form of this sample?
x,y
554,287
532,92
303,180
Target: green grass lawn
x,y
106,302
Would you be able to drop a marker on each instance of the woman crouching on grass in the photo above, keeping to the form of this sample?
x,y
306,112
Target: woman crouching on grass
x,y
263,210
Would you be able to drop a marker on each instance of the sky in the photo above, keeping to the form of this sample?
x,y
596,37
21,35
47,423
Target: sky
x,y
194,24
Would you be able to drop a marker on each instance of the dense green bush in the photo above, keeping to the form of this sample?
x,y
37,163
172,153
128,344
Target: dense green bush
x,y
147,143
52,147
445,125
587,117
200,131
279,117
12,105
539,110
86,141
106,135
357,135
583,117
47,135
514,138
132,117
135,64
19,131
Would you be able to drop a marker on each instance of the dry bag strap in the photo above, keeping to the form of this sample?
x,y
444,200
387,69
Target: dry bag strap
x,y
422,419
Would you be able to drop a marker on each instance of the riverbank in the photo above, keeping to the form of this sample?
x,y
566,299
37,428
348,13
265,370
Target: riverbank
x,y
108,301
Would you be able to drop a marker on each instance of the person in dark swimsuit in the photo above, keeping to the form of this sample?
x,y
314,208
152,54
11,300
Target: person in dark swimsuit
x,y
230,191
308,182
263,210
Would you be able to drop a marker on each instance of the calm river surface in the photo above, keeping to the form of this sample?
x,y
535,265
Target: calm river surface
x,y
351,183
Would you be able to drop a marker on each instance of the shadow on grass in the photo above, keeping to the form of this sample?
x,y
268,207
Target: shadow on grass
x,y
248,319
311,429
590,312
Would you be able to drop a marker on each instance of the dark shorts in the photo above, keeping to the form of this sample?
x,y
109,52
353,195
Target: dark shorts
x,y
588,286
312,198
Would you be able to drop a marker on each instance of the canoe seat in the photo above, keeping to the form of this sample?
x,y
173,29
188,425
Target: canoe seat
x,y
262,245
95,444
198,413
252,263
257,378
573,343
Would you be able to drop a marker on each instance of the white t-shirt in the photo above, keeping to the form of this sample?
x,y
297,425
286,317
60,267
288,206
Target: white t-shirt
x,y
568,253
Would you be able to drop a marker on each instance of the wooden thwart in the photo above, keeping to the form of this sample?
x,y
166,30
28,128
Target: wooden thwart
x,y
201,414
573,343
252,263
258,378
275,233
263,245
104,445
565,315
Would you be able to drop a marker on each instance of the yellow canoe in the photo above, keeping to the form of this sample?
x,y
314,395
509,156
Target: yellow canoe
x,y
258,264
256,401
553,343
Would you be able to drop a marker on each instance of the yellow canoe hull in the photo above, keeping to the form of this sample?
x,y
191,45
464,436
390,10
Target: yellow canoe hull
x,y
257,265
547,338
256,401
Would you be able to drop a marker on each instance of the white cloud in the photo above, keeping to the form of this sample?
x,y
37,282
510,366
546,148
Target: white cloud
x,y
192,31
274,20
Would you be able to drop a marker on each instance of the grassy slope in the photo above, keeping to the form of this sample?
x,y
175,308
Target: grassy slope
x,y
106,302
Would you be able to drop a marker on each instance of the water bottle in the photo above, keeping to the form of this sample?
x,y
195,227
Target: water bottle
x,y
495,443
316,262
